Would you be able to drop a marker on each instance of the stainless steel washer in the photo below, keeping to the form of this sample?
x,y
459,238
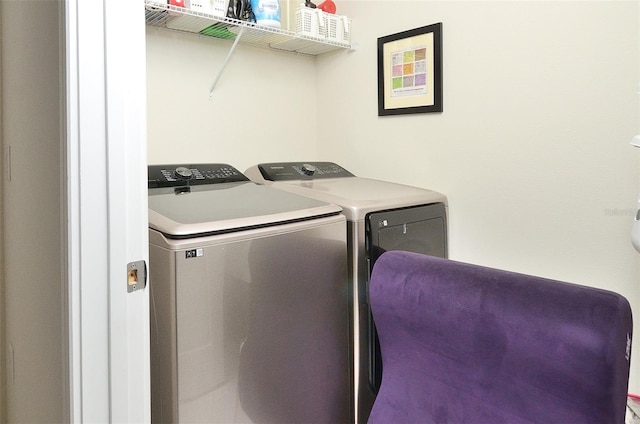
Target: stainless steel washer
x,y
381,216
249,301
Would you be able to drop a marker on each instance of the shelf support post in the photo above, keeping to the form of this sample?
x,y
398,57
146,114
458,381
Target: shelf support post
x,y
226,60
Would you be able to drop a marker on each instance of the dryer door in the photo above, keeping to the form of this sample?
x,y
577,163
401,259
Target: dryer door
x,y
419,229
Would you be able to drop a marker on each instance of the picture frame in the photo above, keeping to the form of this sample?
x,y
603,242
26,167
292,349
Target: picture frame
x,y
410,71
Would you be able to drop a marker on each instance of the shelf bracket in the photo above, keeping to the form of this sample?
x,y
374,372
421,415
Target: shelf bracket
x,y
226,60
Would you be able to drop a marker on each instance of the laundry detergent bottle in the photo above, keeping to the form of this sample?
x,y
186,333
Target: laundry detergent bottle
x,y
267,12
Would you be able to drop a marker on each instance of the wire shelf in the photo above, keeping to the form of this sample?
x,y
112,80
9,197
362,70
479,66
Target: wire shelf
x,y
180,19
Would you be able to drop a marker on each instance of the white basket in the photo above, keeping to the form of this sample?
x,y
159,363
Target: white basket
x,y
318,24
220,7
307,22
338,28
211,7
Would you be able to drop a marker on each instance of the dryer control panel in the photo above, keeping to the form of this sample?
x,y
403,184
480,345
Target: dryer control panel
x,y
287,171
188,174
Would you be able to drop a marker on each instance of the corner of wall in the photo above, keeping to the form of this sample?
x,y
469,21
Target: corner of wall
x,y
3,400
64,241
36,370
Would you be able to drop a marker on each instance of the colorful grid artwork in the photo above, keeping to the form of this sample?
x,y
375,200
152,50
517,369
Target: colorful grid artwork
x,y
409,72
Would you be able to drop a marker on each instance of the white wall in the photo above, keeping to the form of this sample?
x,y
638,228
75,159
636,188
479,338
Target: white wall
x,y
532,148
263,108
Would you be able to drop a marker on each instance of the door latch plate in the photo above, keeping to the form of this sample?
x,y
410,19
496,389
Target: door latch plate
x,y
136,276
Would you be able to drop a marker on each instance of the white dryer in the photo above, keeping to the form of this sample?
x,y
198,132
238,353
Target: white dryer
x,y
381,216
249,302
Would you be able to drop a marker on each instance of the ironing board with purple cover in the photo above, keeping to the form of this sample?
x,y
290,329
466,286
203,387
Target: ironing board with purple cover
x,y
463,343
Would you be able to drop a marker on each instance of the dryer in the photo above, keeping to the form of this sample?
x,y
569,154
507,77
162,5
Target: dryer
x,y
380,216
249,303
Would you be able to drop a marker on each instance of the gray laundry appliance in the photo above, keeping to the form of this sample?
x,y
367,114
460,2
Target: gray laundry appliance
x,y
249,301
381,216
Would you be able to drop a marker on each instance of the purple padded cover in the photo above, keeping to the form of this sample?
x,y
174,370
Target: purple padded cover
x,y
468,344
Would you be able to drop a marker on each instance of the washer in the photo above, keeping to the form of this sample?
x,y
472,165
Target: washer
x,y
249,301
381,216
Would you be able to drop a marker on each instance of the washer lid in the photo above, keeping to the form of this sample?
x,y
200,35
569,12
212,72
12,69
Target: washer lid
x,y
360,196
185,212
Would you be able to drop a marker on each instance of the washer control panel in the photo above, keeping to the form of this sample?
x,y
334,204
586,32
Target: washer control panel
x,y
198,174
287,171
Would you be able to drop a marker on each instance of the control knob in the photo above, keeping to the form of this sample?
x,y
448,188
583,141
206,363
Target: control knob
x,y
309,169
183,173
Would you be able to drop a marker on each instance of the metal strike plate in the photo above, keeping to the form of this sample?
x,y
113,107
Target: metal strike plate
x,y
136,276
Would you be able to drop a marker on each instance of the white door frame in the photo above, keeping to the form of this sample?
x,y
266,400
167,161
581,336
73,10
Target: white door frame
x,y
107,210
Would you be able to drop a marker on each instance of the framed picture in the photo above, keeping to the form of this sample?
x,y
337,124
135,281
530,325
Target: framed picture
x,y
410,71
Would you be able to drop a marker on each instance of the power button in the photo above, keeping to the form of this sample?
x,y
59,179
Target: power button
x,y
183,173
308,169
